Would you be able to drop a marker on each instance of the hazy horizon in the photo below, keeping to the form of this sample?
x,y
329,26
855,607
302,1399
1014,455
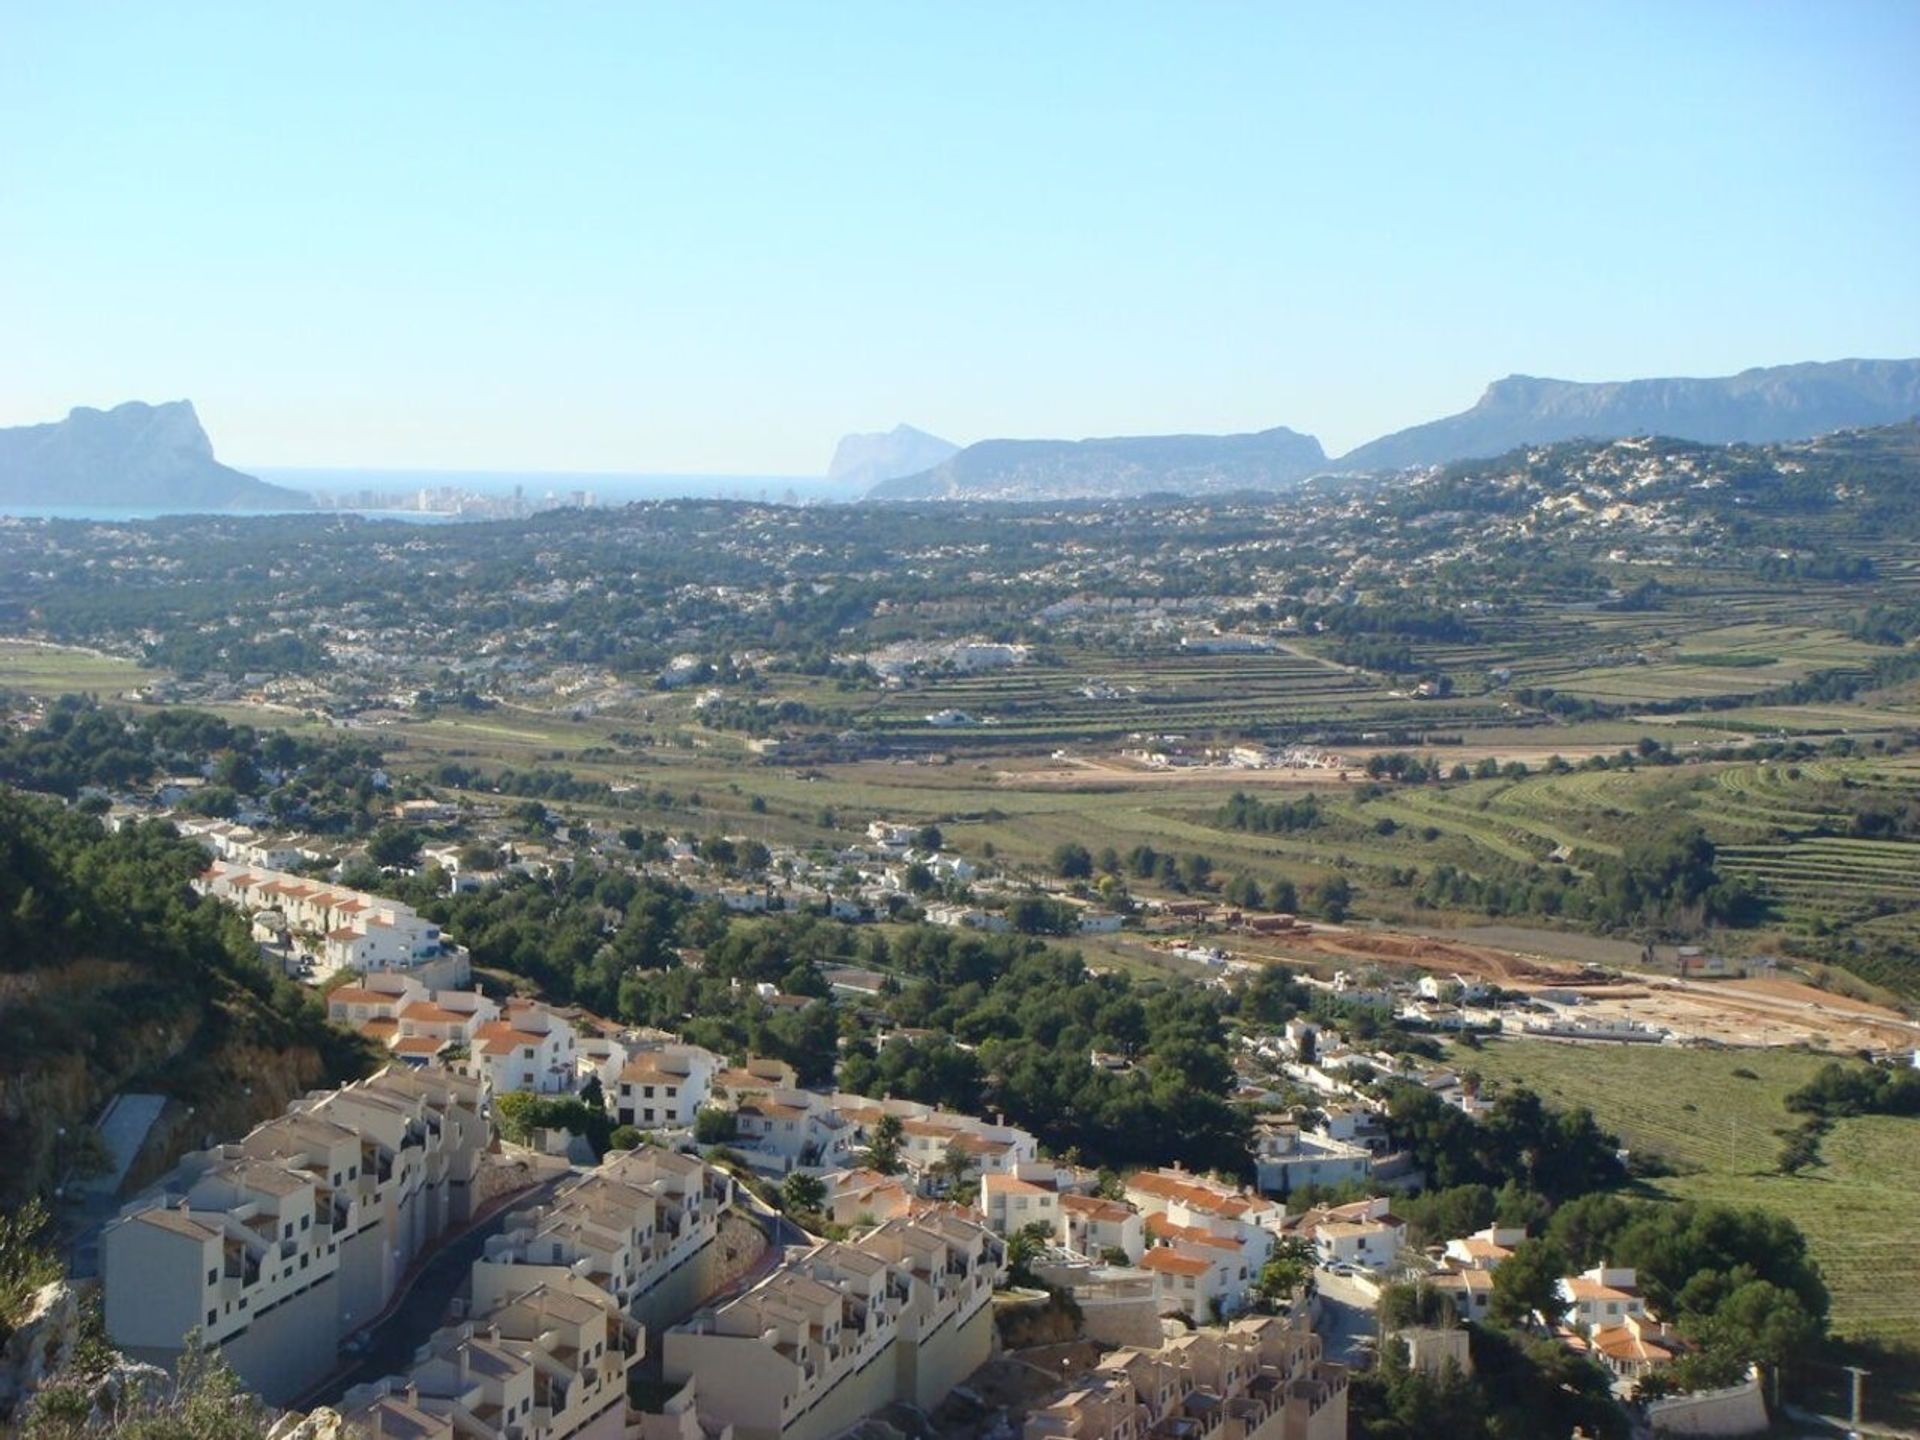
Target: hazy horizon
x,y
696,243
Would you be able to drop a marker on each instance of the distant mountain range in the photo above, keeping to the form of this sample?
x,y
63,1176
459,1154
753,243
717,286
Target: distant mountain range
x,y
136,455
1785,402
881,456
1113,468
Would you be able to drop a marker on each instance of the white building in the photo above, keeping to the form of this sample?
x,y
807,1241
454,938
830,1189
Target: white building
x,y
900,1315
664,1085
278,1245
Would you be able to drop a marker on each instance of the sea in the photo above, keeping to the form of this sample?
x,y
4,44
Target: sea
x,y
539,490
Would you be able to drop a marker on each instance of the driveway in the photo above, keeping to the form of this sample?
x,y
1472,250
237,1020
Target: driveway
x,y
1346,1317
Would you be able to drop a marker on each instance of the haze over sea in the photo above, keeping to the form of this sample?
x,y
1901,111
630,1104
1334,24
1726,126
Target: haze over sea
x,y
541,489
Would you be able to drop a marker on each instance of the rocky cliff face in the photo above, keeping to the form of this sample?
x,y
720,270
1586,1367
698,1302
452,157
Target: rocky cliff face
x,y
1117,468
1785,402
903,450
137,455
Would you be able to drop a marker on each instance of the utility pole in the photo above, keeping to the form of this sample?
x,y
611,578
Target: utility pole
x,y
1859,1386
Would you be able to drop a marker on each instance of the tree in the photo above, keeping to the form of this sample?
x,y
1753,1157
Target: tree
x,y
883,1147
1072,861
1527,1283
714,1126
394,846
1331,897
1024,1246
1290,1268
802,1194
928,837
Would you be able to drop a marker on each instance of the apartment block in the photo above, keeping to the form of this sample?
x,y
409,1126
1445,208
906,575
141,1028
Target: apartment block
x,y
276,1246
641,1228
902,1314
1257,1379
548,1362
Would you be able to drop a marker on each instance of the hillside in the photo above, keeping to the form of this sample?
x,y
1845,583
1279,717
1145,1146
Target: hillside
x,y
1783,402
1114,468
886,455
114,976
145,456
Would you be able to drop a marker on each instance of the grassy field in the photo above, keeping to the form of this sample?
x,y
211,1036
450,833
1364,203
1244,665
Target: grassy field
x,y
1716,1129
47,670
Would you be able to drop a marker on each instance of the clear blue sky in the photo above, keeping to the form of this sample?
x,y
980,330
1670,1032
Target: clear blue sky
x,y
700,237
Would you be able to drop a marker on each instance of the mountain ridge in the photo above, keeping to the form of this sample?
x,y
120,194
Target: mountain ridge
x,y
1758,405
1113,467
135,454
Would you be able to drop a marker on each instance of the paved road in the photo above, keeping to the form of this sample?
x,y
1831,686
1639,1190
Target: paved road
x,y
388,1347
1346,1318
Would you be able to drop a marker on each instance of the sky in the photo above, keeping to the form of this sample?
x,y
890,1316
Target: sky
x,y
713,238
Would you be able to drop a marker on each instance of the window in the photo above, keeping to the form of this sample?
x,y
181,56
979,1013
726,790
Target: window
x,y
213,1317
288,1233
213,1277
647,1092
306,1222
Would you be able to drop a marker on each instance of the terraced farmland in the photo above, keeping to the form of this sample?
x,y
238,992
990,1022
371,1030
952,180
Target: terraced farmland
x,y
1102,698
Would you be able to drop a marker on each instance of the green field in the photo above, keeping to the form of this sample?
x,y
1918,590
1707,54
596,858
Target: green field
x,y
1860,1209
47,670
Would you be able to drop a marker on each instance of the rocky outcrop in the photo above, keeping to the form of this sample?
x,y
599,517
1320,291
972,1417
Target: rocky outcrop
x,y
868,459
321,1424
42,1343
134,455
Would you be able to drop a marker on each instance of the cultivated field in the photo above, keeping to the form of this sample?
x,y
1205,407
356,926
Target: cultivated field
x,y
1717,1130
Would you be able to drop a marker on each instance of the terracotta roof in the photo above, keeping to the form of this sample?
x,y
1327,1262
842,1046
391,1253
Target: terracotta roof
x,y
1580,1287
419,1045
1618,1342
359,994
1012,1185
1095,1207
1173,1263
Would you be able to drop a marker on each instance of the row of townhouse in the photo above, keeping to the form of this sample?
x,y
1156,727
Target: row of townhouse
x,y
1080,1223
554,1322
898,1316
641,1226
276,1246
1256,1379
523,1046
549,1362
931,1138
242,844
1215,1238
345,929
